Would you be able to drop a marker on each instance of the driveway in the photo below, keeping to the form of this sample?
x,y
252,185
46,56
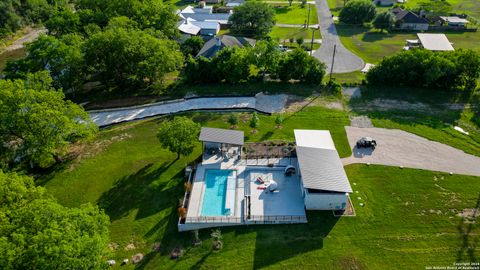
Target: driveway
x,y
400,148
345,61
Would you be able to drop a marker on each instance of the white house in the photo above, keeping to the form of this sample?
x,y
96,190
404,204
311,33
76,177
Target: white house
x,y
325,183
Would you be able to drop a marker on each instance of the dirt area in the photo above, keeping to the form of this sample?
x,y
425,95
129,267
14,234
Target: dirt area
x,y
400,148
272,149
361,122
296,103
30,36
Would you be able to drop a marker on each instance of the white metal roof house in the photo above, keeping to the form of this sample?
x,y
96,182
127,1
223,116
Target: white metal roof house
x,y
435,42
232,187
325,183
191,27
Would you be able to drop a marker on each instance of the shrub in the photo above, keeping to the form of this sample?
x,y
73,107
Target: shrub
x,y
358,12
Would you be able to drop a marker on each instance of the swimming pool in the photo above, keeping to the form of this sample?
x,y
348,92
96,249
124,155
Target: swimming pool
x,y
219,193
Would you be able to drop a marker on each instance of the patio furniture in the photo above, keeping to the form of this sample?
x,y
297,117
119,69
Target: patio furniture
x,y
260,180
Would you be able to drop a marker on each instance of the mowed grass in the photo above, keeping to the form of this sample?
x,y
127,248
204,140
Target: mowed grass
x,y
295,14
470,7
373,45
285,33
409,220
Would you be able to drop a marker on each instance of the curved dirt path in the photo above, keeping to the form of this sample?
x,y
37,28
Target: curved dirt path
x,y
345,61
400,148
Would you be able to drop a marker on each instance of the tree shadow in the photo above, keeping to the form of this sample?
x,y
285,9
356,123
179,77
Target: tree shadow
x,y
469,241
266,136
138,191
376,36
276,243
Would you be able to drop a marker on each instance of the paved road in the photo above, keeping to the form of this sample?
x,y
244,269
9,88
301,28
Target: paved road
x,y
345,61
260,102
399,148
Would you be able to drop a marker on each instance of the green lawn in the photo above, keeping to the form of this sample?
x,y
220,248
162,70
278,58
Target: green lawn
x,y
295,14
409,220
285,33
432,119
372,45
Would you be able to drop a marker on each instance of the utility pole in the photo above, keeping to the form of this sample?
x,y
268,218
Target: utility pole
x,y
333,61
308,19
311,44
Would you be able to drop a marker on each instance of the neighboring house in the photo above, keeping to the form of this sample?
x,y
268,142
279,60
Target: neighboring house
x,y
238,183
211,47
384,2
435,42
234,3
452,21
204,14
407,20
191,27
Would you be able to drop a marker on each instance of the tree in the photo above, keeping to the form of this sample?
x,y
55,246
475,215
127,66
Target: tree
x,y
38,233
232,65
298,65
290,2
63,22
358,12
254,121
233,120
179,135
384,21
62,57
37,123
434,8
192,46
279,121
265,55
300,41
130,57
252,19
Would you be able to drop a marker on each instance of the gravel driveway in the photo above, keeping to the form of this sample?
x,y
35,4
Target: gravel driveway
x,y
400,148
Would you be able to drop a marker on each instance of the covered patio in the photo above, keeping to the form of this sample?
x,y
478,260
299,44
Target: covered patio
x,y
221,144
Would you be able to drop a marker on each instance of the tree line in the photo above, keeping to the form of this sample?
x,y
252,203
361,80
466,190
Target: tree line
x,y
236,65
15,14
458,69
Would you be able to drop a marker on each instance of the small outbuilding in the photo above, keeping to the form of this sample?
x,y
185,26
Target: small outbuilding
x,y
435,42
325,185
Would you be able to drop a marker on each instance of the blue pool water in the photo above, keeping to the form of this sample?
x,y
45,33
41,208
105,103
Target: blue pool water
x,y
215,192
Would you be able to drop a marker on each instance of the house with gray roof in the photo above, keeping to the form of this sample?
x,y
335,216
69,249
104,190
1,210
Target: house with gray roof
x,y
407,20
214,45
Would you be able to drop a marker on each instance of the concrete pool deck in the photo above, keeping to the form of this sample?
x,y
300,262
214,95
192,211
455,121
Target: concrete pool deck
x,y
252,205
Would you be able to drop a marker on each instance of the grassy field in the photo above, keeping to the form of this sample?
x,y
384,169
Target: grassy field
x,y
372,45
409,220
422,112
285,33
469,7
295,14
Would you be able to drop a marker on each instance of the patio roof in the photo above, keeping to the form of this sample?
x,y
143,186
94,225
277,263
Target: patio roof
x,y
319,163
221,136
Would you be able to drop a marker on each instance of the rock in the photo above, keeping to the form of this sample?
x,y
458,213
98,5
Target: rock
x,y
125,261
111,262
137,258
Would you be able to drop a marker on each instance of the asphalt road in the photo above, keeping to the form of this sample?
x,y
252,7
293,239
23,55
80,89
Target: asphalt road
x,y
345,61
